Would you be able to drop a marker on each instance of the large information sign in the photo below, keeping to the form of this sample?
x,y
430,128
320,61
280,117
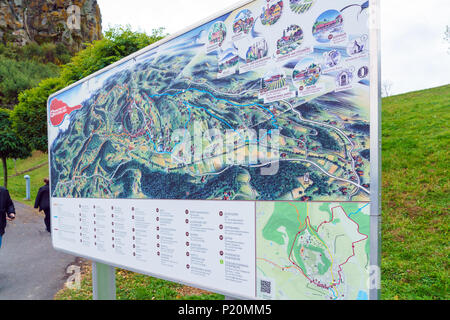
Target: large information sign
x,y
240,156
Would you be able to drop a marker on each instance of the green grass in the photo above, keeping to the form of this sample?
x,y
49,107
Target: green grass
x,y
133,286
415,225
415,198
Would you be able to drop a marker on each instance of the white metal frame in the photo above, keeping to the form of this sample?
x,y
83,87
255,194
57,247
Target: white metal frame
x,y
375,150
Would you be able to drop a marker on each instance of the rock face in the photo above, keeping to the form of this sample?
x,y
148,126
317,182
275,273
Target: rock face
x,y
71,22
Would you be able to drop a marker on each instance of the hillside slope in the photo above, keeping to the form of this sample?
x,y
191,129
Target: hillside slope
x,y
415,151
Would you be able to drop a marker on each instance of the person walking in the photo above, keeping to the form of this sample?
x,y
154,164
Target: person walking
x,y
7,211
43,203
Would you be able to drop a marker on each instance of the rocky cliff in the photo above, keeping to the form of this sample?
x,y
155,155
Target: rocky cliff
x,y
72,22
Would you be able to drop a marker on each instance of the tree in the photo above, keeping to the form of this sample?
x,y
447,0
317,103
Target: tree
x,y
11,145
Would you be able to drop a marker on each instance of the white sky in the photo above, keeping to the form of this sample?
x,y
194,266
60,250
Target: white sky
x,y
414,54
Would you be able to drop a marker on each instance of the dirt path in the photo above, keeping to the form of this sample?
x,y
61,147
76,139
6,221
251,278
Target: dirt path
x,y
30,269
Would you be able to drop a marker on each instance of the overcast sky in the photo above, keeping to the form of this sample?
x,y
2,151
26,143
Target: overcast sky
x,y
414,54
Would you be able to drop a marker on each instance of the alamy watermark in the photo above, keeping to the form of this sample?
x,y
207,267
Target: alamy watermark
x,y
374,279
73,282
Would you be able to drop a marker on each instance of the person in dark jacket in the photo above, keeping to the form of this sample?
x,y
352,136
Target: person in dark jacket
x,y
7,211
43,203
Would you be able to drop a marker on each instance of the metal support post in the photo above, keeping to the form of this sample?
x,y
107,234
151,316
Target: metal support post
x,y
103,281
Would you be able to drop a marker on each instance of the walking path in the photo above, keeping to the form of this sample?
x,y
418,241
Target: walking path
x,y
30,269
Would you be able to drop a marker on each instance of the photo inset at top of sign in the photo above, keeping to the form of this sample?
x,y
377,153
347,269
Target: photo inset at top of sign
x,y
257,50
331,61
273,80
274,86
255,55
306,73
328,25
228,62
358,46
243,24
216,36
292,39
306,77
301,6
271,13
344,79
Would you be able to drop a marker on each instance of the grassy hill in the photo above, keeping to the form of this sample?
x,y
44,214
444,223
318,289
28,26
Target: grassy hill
x,y
415,199
415,239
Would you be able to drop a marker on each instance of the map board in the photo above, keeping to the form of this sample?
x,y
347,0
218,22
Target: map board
x,y
240,156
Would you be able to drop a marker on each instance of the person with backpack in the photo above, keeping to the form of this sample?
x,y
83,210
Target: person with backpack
x,y
43,203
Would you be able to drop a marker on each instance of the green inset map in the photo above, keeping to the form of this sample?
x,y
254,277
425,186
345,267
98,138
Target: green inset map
x,y
317,250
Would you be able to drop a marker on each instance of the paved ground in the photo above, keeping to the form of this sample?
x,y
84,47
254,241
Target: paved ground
x,y
30,269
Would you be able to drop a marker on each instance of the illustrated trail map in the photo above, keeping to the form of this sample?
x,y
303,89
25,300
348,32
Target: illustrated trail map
x,y
267,105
